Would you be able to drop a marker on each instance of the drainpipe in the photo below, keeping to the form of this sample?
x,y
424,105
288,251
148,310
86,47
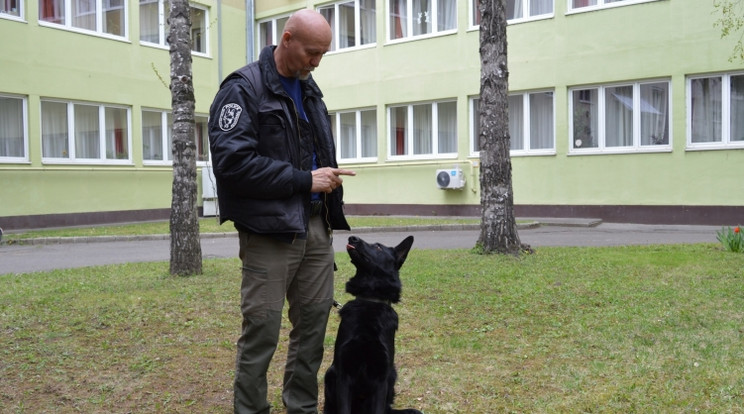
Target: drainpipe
x,y
219,41
250,21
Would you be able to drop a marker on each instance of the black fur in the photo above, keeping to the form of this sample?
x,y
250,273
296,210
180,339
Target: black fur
x,y
362,377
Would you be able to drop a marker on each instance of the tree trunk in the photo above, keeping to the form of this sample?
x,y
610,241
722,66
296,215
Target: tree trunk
x,y
498,224
185,247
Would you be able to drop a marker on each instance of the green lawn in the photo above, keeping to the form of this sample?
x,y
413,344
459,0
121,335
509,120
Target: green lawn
x,y
647,329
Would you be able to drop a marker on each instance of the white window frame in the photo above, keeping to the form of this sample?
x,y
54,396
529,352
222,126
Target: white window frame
x,y
357,26
276,31
726,142
602,4
358,158
526,125
166,138
434,154
601,147
72,158
98,31
21,8
409,23
475,14
163,28
24,112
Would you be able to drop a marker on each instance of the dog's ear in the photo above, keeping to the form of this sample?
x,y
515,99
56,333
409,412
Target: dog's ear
x,y
401,251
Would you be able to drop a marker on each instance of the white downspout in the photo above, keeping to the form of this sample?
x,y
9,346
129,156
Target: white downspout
x,y
250,21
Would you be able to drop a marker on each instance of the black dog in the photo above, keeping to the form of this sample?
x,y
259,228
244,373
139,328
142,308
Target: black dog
x,y
362,376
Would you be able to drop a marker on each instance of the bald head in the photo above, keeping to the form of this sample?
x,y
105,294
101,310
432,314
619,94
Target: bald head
x,y
306,38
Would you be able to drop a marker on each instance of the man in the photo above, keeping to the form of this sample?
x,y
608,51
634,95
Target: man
x,y
278,181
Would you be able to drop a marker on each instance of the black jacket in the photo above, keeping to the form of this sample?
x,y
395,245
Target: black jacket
x,y
261,162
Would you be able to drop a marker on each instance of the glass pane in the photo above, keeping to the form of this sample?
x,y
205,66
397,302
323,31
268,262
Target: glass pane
x,y
706,109
52,11
541,121
169,134
117,134
367,22
476,12
619,116
475,119
198,30
446,14
84,14
655,114
265,34
422,133
10,7
369,134
201,135
280,23
329,12
87,134
149,21
737,108
538,7
516,122
514,9
113,17
346,26
152,136
398,130
347,135
54,132
11,128
398,19
447,123
421,17
583,3
585,105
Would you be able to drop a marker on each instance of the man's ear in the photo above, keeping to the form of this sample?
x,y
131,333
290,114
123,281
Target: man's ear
x,y
401,251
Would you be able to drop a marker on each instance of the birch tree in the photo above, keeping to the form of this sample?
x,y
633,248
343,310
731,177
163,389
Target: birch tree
x,y
185,247
498,232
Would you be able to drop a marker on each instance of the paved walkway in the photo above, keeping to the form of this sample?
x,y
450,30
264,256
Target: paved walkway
x,y
49,254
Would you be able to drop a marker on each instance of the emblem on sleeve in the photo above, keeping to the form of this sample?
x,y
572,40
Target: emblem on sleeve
x,y
229,116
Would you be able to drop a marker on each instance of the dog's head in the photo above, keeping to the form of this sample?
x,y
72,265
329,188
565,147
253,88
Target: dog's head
x,y
377,268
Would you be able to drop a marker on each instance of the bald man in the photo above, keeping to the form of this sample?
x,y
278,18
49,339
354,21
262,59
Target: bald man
x,y
279,183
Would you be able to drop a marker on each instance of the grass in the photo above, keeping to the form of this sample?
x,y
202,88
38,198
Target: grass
x,y
211,225
566,330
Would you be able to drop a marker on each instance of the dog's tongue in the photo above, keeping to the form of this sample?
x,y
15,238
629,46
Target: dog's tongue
x,y
349,247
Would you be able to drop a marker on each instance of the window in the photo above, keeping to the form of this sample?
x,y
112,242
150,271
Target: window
x,y
410,18
269,31
11,9
516,10
353,23
595,4
531,124
356,135
154,27
84,132
101,16
620,117
715,111
13,133
157,137
423,130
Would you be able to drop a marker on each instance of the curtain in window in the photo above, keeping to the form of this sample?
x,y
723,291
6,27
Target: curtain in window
x,y
347,135
117,136
54,142
476,125
655,114
446,14
398,19
706,109
538,7
585,118
514,9
369,134
619,116
399,130
584,3
52,11
541,120
149,21
447,127
84,14
10,7
198,29
87,136
169,136
201,135
113,17
422,129
11,127
329,12
346,27
516,122
152,135
422,17
367,22
737,108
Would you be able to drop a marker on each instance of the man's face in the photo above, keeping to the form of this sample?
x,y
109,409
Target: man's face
x,y
304,54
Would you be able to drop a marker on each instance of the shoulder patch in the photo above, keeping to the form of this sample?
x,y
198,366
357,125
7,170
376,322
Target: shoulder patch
x,y
229,116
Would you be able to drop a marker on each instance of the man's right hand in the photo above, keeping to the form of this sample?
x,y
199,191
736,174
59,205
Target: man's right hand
x,y
327,179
